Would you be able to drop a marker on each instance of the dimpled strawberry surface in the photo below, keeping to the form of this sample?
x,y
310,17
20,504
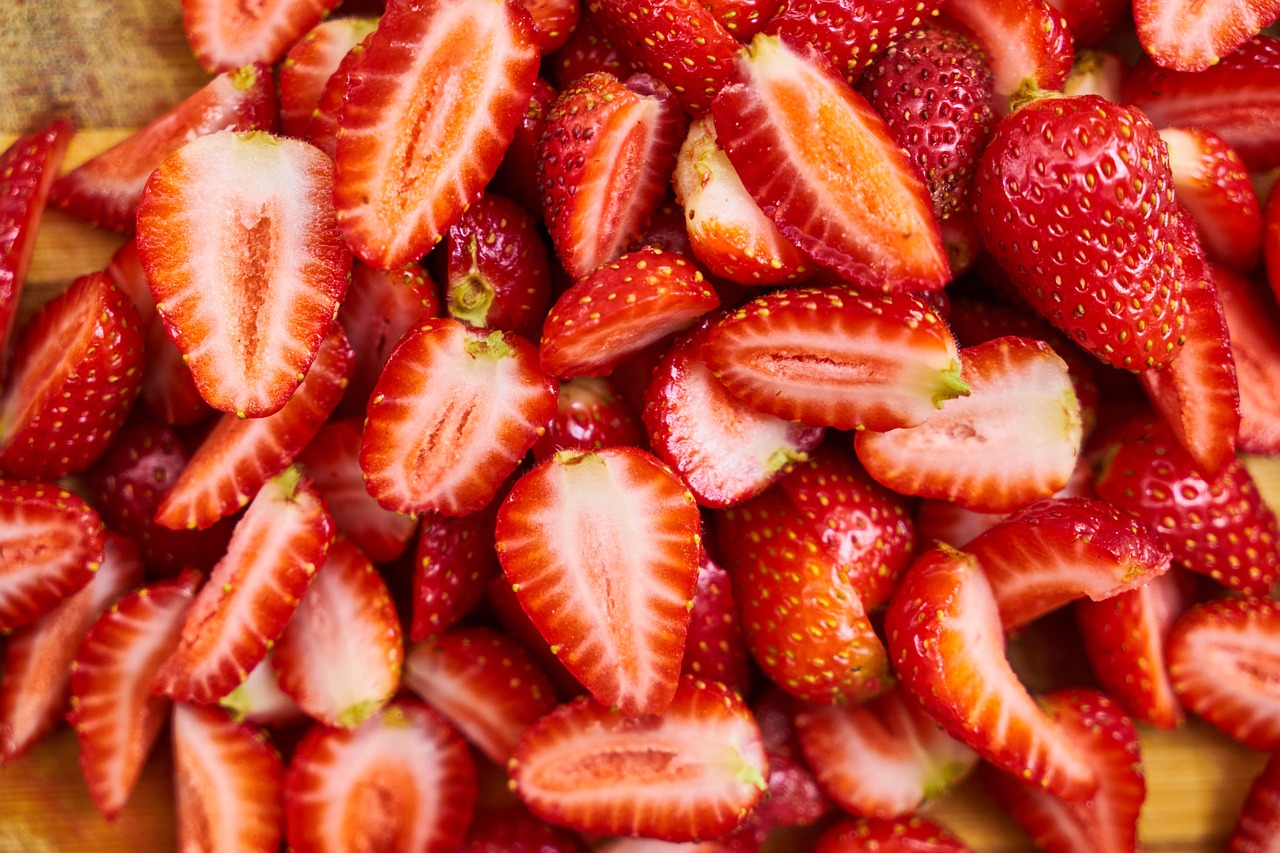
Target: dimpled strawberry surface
x,y
544,425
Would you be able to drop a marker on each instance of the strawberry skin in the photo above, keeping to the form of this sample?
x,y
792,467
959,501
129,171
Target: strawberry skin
x,y
1187,36
225,33
1212,183
715,649
1258,825
1027,44
453,562
590,414
913,834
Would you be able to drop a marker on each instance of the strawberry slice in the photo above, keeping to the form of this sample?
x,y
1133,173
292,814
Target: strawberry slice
x,y
340,655
588,50
482,682
947,645
1212,183
116,717
310,63
881,758
226,33
240,454
1258,826
38,656
902,835
451,417
322,130
453,563
602,550
247,295
52,543
1027,44
714,649
590,414
837,356
229,781
1253,323
408,165
1189,36
106,189
877,229
403,779
689,773
273,555
1014,440
28,167
77,370
259,700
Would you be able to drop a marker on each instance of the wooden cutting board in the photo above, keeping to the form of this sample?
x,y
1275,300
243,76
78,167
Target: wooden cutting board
x,y
111,66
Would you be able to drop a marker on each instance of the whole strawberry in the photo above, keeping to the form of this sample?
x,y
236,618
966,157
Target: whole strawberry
x,y
1074,199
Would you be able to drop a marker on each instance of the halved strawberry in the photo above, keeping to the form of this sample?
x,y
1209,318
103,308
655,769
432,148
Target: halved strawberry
x,y
247,294
590,414
52,543
602,550
402,778
115,715
229,782
38,656
1253,324
273,554
482,682
451,417
1027,43
513,829
106,189
225,33
866,229
1212,183
1258,826
240,454
77,370
1189,36
259,700
407,165
310,63
714,649
947,645
452,564
881,758
517,177
1014,440
322,130
692,772
913,834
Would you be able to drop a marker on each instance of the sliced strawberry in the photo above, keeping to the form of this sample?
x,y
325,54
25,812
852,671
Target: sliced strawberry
x,y
947,645
691,772
106,189
837,356
602,550
453,563
1108,821
115,716
225,33
28,167
402,780
1088,21
259,700
451,416
880,230
77,369
512,829
515,621
1253,323
482,682
1027,43
248,295
1212,183
882,758
1189,36
904,835
310,63
715,649
1096,72
588,50
1258,826
52,543
590,415
273,555
517,177
241,454
38,656
229,781
322,130
1014,440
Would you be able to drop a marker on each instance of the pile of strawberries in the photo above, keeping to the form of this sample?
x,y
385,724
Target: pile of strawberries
x,y
667,411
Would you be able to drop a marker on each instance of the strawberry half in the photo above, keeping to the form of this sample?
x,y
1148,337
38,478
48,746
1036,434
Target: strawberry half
x,y
407,165
106,189
904,835
322,130
259,700
880,230
402,778
689,773
1253,324
1212,183
1258,826
602,550
1189,36
714,649
590,414
1027,44
451,417
273,555
588,49
310,63
226,33
247,294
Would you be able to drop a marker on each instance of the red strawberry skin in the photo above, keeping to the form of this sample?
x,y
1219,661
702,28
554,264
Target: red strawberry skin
x,y
913,834
590,415
452,563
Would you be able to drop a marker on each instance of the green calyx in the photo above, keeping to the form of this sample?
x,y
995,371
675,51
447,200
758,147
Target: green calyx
x,y
495,346
950,385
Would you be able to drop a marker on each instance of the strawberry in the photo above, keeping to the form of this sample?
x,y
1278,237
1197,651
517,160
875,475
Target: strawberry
x,y
881,758
1095,71
601,548
1014,440
1191,37
106,189
228,780
322,130
1258,826
553,22
1120,299
904,835
451,416
482,682
408,166
1212,183
506,607
1253,321
590,415
1108,821
1027,44
1271,241
947,645
512,829
116,718
793,798
742,19
28,167
259,700
836,356
402,778
247,296
77,369
38,656
588,49
274,552
880,230
52,543
310,63
517,176
689,773
1223,669
1088,21
453,563
715,649
225,34
604,159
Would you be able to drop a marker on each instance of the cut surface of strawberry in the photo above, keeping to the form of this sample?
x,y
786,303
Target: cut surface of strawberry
x,y
1253,326
310,63
259,700
1189,36
225,33
237,234
1027,44
1212,183
1258,826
